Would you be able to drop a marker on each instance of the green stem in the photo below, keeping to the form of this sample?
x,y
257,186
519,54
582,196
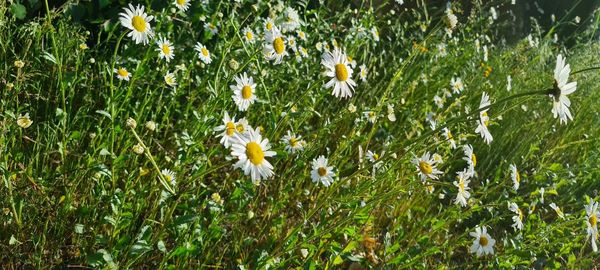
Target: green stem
x,y
151,158
585,69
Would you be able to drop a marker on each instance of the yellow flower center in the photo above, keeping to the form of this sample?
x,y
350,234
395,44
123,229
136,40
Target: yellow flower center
x,y
487,121
246,92
517,176
593,220
181,2
461,185
229,128
278,45
166,49
293,142
425,167
269,26
139,24
483,241
474,159
169,80
322,171
249,35
255,153
122,72
240,128
167,177
375,156
341,72
204,52
520,214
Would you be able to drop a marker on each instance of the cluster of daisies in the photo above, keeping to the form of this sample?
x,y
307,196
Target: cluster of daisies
x,y
280,39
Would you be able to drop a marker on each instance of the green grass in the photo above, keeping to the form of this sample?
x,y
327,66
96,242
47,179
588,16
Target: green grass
x,y
74,192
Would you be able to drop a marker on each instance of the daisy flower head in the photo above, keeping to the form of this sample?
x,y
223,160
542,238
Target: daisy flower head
x,y
515,176
375,158
557,210
375,33
449,137
243,91
122,74
426,167
462,184
136,20
457,85
268,24
484,120
518,217
274,47
592,215
203,53
182,5
248,35
165,49
228,129
251,150
363,73
210,27
291,20
371,116
450,19
292,142
24,121
337,67
170,79
169,176
483,243
471,158
301,35
321,173
561,89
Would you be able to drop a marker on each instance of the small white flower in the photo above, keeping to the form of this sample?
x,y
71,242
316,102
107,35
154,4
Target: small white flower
x,y
483,243
170,79
338,68
321,173
182,5
518,218
243,91
136,20
561,89
449,137
484,120
515,176
592,216
557,210
426,167
203,53
165,49
462,184
292,142
251,149
457,85
470,158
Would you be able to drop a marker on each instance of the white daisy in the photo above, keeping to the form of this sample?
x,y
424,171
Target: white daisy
x,y
462,184
471,158
228,128
592,215
24,121
375,33
363,73
170,79
426,166
211,28
371,116
321,172
165,49
292,142
515,176
274,47
561,89
484,120
483,243
182,5
251,150
122,74
340,72
243,91
268,24
138,22
291,20
203,53
457,85
518,218
449,137
248,35
301,35
169,176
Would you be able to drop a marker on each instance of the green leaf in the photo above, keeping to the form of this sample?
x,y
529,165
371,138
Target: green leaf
x,y
18,10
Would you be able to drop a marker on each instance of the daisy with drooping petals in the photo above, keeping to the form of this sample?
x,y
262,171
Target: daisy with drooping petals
x,y
182,5
170,79
484,120
426,167
203,53
24,121
518,218
138,22
561,104
457,85
292,20
274,47
557,210
449,137
251,150
340,72
122,74
229,128
592,215
483,243
463,186
248,35
363,73
515,176
165,49
292,142
321,173
243,91
470,158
